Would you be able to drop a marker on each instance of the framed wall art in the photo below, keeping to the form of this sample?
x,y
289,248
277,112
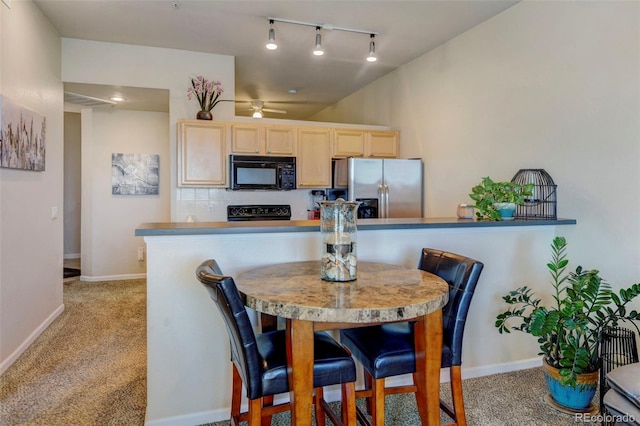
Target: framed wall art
x,y
135,174
22,137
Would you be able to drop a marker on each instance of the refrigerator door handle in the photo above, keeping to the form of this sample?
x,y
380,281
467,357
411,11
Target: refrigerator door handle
x,y
382,212
386,200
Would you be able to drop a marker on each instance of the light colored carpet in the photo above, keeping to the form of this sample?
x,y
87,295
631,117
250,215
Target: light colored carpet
x,y
89,368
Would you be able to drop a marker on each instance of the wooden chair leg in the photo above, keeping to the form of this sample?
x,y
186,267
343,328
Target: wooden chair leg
x,y
368,383
267,401
321,418
456,395
377,402
349,404
236,396
255,412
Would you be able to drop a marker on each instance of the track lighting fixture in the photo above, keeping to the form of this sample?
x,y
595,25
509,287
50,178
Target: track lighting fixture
x,y
372,50
318,49
271,44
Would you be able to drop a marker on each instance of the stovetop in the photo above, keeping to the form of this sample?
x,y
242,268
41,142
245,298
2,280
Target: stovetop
x,y
258,212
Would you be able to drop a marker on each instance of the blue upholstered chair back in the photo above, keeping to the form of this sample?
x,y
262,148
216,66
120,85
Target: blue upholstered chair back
x,y
462,274
244,351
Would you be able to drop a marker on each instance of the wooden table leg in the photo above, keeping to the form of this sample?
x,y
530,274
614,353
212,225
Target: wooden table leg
x,y
428,344
300,370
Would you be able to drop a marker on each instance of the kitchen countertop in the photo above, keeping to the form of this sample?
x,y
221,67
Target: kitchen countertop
x,y
274,226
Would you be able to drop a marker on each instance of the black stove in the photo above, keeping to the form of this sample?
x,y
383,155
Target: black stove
x,y
258,212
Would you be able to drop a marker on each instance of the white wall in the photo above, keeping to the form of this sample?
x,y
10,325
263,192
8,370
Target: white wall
x,y
72,185
552,85
31,243
137,66
109,246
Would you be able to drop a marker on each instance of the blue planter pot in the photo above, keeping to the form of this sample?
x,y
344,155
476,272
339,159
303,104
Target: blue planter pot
x,y
574,398
506,210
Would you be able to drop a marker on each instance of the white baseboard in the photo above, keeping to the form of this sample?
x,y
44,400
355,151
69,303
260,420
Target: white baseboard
x,y
191,419
487,370
32,337
332,394
72,256
112,277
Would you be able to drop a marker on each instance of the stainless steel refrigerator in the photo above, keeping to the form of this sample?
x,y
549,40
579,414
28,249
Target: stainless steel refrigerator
x,y
386,187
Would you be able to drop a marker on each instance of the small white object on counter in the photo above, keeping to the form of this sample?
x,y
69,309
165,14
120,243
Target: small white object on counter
x,y
465,211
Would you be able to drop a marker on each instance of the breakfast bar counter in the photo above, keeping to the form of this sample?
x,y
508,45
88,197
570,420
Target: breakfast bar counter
x,y
188,368
253,227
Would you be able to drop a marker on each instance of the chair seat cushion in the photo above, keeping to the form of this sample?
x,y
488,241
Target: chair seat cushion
x,y
386,350
626,381
332,365
621,408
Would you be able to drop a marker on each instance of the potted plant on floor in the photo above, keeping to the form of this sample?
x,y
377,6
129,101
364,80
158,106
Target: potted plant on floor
x,y
568,329
498,200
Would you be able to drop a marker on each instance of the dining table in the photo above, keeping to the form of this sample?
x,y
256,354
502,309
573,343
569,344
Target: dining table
x,y
381,293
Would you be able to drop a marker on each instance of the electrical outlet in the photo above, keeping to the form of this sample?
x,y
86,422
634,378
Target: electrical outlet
x,y
211,210
140,253
54,212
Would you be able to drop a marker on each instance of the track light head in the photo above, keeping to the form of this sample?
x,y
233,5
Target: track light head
x,y
318,51
372,50
271,44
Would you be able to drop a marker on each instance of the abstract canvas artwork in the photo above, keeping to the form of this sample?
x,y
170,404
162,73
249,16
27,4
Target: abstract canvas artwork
x,y
22,137
135,174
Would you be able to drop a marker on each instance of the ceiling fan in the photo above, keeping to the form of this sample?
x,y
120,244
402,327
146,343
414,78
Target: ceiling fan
x,y
257,106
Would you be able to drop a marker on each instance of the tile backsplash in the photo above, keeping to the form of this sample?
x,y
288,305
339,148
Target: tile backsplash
x,y
210,204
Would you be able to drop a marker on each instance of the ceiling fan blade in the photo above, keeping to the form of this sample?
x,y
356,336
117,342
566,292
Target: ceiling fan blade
x,y
277,111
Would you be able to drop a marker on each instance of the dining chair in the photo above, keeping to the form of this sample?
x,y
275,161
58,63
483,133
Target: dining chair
x,y
260,360
388,350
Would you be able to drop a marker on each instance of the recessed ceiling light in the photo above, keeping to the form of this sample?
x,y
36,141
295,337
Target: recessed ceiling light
x,y
117,99
293,91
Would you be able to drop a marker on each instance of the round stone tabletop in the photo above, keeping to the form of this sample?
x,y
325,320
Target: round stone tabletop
x,y
381,293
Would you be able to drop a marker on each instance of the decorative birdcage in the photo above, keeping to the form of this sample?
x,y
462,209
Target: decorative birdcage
x,y
542,204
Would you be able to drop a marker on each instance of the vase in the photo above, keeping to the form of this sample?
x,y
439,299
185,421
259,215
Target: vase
x,y
338,228
576,399
204,115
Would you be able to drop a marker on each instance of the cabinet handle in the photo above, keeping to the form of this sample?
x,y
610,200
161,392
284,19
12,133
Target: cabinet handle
x,y
257,151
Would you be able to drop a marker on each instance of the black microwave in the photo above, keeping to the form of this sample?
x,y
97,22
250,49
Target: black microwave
x,y
262,172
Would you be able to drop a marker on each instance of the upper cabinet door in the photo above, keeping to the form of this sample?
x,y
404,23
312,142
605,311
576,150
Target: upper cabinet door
x,y
382,144
348,143
247,139
280,140
314,158
202,153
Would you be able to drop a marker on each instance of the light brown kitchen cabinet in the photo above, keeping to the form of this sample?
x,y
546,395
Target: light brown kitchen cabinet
x,y
247,139
257,139
202,153
365,143
280,140
382,144
314,157
348,143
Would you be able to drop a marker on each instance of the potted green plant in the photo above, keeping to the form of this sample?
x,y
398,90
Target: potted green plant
x,y
498,200
569,328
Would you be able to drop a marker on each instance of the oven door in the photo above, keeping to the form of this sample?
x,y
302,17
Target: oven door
x,y
254,175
